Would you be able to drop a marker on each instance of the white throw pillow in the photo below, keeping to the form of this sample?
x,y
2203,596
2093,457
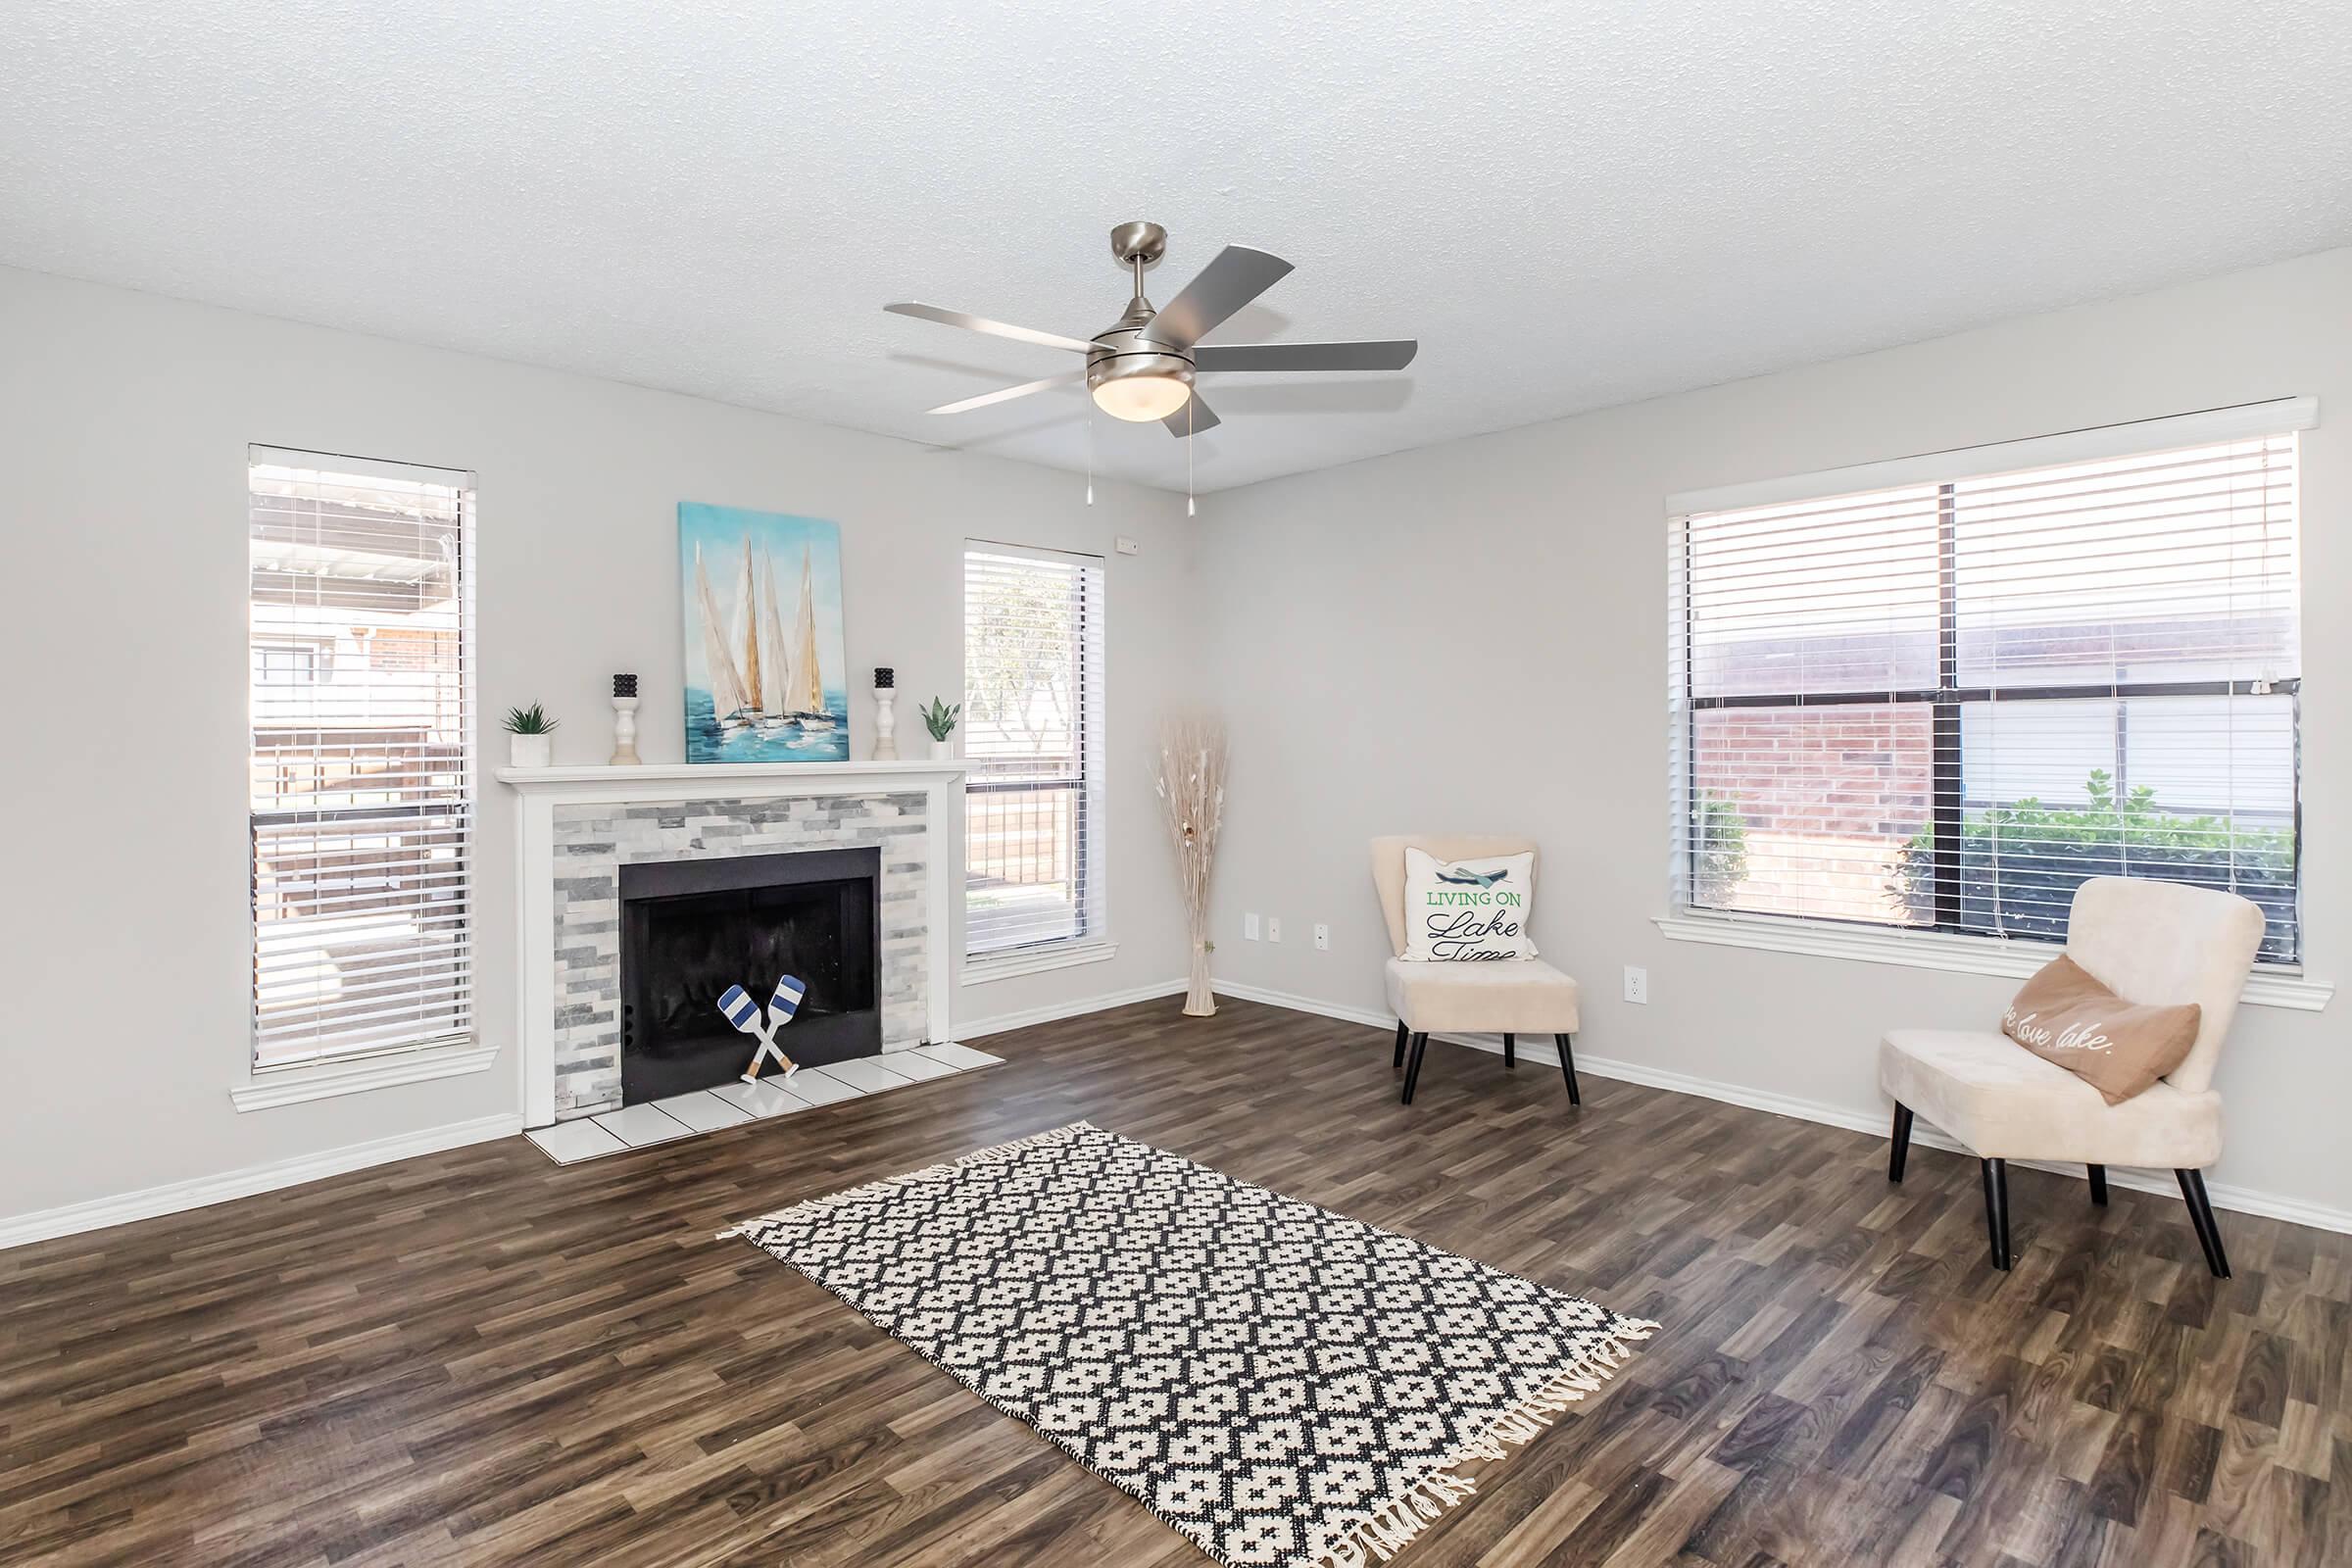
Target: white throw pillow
x,y
1458,911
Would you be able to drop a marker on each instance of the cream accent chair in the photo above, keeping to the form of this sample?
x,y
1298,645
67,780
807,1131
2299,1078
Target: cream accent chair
x,y
1510,997
2148,941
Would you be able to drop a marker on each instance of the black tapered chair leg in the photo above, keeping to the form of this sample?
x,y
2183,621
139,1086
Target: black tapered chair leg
x,y
2201,1214
1898,1152
1398,1064
1567,1045
1510,1050
2098,1184
1412,1065
1996,1209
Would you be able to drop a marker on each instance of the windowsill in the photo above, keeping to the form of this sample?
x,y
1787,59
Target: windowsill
x,y
2267,987
291,1085
1035,961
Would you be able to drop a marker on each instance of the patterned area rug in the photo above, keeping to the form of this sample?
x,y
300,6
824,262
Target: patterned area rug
x,y
1280,1384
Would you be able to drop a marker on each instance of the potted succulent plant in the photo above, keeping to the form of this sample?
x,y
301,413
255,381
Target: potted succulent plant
x,y
529,732
940,719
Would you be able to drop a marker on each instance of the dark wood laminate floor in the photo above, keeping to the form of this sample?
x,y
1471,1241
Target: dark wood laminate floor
x,y
479,1357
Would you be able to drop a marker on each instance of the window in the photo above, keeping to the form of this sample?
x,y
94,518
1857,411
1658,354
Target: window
x,y
361,770
1033,747
286,665
1942,704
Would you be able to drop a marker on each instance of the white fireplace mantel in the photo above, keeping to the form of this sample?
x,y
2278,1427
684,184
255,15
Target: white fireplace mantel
x,y
657,781
540,790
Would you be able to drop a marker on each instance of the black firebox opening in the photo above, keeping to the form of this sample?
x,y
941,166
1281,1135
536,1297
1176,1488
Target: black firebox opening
x,y
689,929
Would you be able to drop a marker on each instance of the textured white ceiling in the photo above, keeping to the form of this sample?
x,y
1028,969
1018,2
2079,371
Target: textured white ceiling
x,y
1570,204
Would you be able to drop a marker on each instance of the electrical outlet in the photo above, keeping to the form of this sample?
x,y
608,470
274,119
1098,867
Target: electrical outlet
x,y
1322,939
1250,928
1637,984
1273,928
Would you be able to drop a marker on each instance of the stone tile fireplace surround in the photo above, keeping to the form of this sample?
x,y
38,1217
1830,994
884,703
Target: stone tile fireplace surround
x,y
579,825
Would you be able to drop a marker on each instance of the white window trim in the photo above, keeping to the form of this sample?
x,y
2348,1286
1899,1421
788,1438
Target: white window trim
x,y
292,1085
262,1087
979,971
2267,986
1097,945
2241,422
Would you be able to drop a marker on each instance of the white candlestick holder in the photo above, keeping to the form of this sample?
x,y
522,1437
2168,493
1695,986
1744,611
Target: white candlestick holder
x,y
624,732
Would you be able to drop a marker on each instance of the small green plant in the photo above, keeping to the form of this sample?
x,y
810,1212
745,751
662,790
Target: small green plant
x,y
1719,864
940,718
531,720
2019,864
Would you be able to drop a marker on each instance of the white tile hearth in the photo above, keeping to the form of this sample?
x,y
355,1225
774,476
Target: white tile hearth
x,y
917,1066
959,1057
737,1103
704,1111
766,1098
868,1074
819,1087
568,1141
640,1125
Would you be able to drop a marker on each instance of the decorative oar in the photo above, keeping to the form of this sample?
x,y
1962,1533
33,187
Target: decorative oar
x,y
745,1014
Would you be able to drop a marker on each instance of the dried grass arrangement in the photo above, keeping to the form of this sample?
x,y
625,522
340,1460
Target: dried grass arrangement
x,y
1192,796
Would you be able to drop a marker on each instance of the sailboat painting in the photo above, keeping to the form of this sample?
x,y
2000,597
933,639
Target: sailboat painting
x,y
766,677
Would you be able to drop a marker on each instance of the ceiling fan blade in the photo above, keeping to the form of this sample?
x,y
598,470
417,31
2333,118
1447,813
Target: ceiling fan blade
x,y
1007,394
1193,418
1234,276
1393,354
981,324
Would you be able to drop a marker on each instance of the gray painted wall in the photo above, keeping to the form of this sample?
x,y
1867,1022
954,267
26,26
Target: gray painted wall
x,y
1499,598
1472,637
125,419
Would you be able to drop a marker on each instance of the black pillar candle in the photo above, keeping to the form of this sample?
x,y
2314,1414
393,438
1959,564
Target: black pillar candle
x,y
885,679
624,685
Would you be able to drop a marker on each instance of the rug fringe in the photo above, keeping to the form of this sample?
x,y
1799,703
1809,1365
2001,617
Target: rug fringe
x,y
1399,1520
927,1173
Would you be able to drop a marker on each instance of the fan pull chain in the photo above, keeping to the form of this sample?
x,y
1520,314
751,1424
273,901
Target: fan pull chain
x,y
1089,452
1190,404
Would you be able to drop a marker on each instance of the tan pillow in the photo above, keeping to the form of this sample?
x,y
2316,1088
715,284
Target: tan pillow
x,y
2117,1047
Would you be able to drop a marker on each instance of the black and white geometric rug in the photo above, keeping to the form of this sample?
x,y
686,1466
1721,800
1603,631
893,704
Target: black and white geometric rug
x,y
1280,1384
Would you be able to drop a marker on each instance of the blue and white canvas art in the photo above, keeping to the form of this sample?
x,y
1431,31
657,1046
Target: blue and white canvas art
x,y
766,677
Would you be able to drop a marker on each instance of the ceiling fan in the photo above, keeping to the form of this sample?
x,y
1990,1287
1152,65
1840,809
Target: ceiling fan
x,y
1141,368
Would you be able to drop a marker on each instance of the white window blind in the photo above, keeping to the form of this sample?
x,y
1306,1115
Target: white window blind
x,y
1033,747
361,770
1943,704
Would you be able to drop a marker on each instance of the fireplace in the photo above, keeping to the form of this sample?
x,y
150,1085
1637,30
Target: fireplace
x,y
577,829
691,928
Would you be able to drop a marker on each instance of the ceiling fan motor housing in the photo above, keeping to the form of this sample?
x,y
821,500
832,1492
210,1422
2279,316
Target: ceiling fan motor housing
x,y
1125,350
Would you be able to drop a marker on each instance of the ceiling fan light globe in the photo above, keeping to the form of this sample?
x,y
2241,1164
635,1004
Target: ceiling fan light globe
x,y
1141,399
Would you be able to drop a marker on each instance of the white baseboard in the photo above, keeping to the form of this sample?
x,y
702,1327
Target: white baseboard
x,y
998,1023
1371,1017
2238,1200
175,1197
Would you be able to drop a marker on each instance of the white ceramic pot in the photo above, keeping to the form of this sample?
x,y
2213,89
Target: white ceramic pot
x,y
944,751
530,750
